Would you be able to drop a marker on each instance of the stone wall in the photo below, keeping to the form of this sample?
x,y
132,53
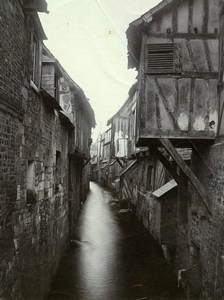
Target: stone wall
x,y
34,200
206,232
35,169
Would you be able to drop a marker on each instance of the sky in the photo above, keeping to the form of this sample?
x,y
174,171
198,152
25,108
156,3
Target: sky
x,y
88,38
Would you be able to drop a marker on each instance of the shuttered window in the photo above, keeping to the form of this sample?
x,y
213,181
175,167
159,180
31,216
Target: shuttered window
x,y
159,58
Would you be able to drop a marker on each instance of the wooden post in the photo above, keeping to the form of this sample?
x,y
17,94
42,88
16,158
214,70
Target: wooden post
x,y
199,188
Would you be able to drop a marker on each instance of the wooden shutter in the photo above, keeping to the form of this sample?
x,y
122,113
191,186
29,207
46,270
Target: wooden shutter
x,y
159,58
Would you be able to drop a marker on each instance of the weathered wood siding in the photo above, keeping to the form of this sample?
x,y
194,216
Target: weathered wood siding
x,y
123,129
182,103
73,109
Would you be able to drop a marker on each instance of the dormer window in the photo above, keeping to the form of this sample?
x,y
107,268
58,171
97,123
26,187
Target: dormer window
x,y
50,76
160,58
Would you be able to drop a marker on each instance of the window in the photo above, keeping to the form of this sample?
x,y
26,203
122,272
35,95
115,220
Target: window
x,y
159,58
30,175
36,61
30,180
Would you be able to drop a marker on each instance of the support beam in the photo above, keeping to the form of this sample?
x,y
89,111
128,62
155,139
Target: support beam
x,y
166,164
199,188
86,162
118,160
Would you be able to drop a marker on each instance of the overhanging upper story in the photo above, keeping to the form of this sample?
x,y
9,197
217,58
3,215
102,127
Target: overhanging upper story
x,y
175,48
123,126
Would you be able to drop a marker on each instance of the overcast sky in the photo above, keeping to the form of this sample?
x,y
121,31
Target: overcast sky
x,y
88,38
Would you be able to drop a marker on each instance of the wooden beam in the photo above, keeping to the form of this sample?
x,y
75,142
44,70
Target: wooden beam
x,y
118,160
170,168
199,188
87,161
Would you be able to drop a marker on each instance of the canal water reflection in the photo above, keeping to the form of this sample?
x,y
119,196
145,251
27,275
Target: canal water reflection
x,y
114,258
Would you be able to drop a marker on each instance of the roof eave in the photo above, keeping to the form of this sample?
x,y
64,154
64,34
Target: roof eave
x,y
35,6
133,32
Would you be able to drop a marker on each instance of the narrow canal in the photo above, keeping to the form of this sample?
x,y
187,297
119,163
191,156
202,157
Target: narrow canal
x,y
114,258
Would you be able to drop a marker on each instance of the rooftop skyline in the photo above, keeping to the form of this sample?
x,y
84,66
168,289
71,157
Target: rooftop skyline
x,y
88,38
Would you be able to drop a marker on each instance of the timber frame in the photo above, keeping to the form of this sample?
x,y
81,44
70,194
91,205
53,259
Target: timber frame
x,y
196,184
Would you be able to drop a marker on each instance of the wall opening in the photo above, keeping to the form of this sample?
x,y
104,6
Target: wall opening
x,y
58,171
30,181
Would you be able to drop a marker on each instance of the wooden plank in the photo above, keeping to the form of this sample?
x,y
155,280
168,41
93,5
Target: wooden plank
x,y
205,19
166,21
212,106
168,88
199,188
208,58
191,107
174,19
213,47
190,16
198,15
150,111
201,94
158,115
183,105
182,17
162,97
198,50
214,8
186,59
181,35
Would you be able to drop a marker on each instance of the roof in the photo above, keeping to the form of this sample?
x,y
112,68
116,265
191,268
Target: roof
x,y
85,105
148,16
127,168
133,36
39,27
165,189
47,59
35,5
49,100
65,120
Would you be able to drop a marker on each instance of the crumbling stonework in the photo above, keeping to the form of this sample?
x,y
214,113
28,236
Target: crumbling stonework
x,y
206,231
36,183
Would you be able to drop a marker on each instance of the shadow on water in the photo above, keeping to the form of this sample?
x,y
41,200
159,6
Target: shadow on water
x,y
114,258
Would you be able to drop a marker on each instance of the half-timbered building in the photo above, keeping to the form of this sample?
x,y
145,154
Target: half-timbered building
x,y
177,49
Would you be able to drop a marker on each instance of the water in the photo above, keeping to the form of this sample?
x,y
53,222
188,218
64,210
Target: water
x,y
113,258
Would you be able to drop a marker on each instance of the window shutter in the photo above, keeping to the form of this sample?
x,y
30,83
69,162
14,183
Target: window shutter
x,y
160,58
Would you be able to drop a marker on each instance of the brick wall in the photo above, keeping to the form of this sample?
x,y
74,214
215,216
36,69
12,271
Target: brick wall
x,y
14,53
34,227
34,169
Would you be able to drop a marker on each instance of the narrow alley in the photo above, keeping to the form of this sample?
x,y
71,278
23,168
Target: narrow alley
x,y
114,257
